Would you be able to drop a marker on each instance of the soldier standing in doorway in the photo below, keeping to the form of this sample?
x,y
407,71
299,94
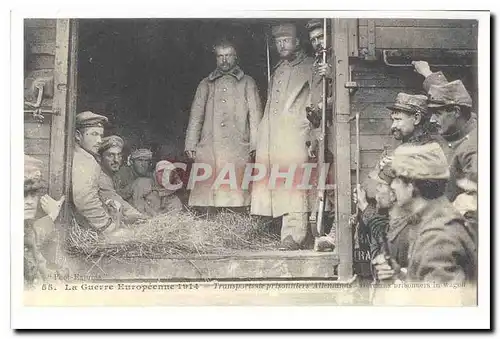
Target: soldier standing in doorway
x,y
282,137
222,130
320,70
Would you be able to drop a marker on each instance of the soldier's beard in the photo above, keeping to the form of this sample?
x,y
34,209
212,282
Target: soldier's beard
x,y
397,134
226,67
287,54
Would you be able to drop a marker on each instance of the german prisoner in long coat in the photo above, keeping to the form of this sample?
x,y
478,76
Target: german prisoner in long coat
x,y
222,130
282,137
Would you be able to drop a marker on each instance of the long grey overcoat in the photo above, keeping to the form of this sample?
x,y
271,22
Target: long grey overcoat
x,y
282,136
222,130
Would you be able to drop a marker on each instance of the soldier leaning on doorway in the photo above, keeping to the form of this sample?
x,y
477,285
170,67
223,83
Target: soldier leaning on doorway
x,y
88,208
320,70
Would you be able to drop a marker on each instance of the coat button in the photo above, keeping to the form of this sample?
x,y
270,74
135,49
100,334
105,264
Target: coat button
x,y
222,124
224,89
224,100
279,82
277,101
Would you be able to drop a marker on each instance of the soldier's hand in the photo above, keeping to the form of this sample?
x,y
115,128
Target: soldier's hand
x,y
252,155
191,154
383,271
422,67
114,205
387,160
324,69
51,206
312,147
359,198
466,202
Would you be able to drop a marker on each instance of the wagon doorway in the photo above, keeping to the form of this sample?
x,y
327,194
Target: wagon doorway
x,y
143,74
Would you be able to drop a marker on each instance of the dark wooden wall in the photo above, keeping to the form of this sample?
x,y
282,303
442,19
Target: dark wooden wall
x,y
39,54
379,84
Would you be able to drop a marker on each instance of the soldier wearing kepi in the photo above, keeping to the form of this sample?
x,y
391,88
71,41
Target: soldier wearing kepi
x,y
222,130
442,244
410,119
410,122
451,108
89,210
111,160
282,136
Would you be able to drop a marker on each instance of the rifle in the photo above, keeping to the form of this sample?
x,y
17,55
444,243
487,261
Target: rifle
x,y
320,227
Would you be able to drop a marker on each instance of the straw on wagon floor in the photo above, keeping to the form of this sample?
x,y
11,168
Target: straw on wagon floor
x,y
174,234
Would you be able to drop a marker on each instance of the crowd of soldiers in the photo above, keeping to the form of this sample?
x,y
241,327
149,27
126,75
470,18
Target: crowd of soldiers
x,y
425,207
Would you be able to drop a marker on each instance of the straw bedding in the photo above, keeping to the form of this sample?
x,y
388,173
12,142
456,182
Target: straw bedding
x,y
175,234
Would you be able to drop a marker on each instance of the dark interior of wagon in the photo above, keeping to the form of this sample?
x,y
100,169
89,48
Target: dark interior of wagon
x,y
143,74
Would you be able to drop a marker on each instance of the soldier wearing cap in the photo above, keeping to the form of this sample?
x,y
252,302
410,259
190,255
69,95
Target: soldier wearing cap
x,y
282,135
111,160
156,194
442,246
451,108
40,240
410,123
139,165
89,209
222,129
410,118
321,69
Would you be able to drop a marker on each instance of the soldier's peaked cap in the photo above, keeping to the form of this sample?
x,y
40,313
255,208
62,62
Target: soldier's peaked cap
x,y
90,119
111,141
32,174
452,93
410,103
423,162
314,23
284,29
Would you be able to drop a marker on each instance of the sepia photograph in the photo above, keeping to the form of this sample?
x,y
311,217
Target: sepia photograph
x,y
254,161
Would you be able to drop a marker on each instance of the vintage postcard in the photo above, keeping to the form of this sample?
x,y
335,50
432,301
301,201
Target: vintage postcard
x,y
255,159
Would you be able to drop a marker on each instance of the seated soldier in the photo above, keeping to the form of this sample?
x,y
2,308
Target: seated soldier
x,y
155,194
111,160
139,165
40,238
89,210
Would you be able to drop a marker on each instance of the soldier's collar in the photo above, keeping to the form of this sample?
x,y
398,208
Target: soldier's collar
x,y
236,72
419,136
299,57
80,149
462,133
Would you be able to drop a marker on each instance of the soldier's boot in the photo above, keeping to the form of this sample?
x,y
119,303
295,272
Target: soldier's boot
x,y
326,243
